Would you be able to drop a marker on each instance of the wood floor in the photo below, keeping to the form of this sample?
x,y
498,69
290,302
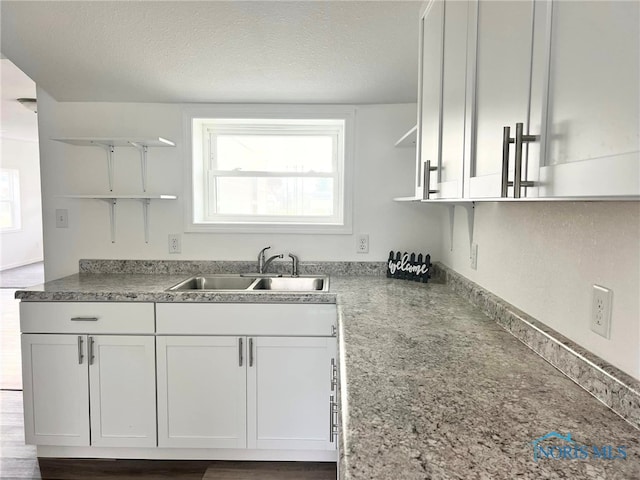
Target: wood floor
x,y
21,277
10,357
10,281
19,461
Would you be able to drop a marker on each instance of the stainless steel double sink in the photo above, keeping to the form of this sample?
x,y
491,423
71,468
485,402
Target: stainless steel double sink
x,y
306,283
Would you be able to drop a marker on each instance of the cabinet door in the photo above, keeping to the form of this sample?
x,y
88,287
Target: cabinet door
x,y
430,73
56,389
501,42
122,390
201,392
592,141
289,382
454,76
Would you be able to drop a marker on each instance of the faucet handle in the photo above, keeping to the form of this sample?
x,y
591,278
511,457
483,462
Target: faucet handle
x,y
294,266
261,259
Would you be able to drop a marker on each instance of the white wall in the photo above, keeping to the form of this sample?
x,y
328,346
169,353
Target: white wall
x,y
381,173
24,246
544,258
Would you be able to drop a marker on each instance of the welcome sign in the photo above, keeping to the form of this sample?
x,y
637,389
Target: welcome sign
x,y
407,267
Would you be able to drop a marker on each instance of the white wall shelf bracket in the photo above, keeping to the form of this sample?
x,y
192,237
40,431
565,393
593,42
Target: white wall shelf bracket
x,y
143,149
471,216
112,216
452,218
470,207
110,155
145,216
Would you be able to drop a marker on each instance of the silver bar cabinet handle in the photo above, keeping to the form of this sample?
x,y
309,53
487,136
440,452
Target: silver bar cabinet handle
x,y
426,184
521,138
334,375
251,352
331,419
506,141
240,359
80,355
91,355
84,319
517,174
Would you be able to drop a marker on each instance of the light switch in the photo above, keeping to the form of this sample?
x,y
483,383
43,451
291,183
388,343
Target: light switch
x,y
62,218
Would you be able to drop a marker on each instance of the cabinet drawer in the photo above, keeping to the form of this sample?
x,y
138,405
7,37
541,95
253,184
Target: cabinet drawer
x,y
246,319
86,317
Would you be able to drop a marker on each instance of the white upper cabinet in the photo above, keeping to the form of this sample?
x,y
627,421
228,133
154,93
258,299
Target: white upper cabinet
x,y
501,43
591,141
453,94
531,98
429,88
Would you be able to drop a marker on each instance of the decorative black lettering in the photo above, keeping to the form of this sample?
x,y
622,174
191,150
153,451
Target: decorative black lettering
x,y
405,266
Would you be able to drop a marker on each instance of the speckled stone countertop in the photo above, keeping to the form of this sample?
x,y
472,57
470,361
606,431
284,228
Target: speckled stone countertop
x,y
437,390
124,287
431,388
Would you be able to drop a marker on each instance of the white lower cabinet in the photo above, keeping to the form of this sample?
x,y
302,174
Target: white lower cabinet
x,y
82,390
202,392
230,381
289,394
56,390
264,393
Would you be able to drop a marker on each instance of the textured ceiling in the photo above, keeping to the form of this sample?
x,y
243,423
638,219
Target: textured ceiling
x,y
216,51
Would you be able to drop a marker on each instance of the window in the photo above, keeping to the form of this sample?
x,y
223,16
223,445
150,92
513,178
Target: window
x,y
9,199
269,174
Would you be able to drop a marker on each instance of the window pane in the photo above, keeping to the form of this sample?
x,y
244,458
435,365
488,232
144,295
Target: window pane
x,y
6,185
274,196
6,215
273,153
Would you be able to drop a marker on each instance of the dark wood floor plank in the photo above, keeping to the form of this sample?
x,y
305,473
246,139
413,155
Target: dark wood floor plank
x,y
271,471
81,469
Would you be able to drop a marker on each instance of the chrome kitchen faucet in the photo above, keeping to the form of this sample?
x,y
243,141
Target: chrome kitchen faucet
x,y
262,263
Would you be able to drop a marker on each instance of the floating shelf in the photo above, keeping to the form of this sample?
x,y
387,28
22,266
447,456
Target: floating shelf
x,y
409,139
112,200
109,144
407,199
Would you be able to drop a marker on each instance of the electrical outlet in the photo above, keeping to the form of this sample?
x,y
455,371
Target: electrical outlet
x,y
175,244
474,256
363,243
601,311
62,218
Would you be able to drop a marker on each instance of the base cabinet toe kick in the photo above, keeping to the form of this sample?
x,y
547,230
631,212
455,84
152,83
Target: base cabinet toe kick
x,y
194,381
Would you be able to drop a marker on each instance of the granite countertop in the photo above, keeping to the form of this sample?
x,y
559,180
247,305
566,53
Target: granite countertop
x,y
125,287
437,390
431,388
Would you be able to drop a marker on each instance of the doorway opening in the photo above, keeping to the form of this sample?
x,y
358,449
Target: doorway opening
x,y
21,251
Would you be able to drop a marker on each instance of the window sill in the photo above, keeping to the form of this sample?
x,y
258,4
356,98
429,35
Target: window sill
x,y
301,229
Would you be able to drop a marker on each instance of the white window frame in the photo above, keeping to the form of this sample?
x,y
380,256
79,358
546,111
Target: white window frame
x,y
282,117
14,201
